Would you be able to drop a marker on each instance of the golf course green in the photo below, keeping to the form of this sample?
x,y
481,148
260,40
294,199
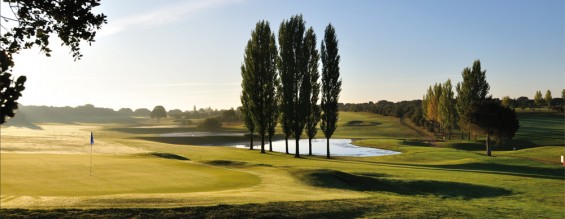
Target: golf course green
x,y
138,173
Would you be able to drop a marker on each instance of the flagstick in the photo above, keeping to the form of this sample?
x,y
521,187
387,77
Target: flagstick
x,y
90,154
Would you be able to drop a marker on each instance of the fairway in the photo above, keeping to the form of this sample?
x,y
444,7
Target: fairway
x,y
424,180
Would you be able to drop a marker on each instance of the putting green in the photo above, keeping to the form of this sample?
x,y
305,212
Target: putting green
x,y
69,175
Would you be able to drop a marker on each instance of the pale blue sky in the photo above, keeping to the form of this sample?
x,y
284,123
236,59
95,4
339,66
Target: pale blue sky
x,y
184,53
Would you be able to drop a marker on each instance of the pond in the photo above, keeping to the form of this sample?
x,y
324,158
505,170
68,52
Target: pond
x,y
201,134
338,147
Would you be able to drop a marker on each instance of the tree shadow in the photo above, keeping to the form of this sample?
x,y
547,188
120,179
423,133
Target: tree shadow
x,y
341,180
362,123
230,163
488,168
525,171
420,143
25,125
469,146
169,156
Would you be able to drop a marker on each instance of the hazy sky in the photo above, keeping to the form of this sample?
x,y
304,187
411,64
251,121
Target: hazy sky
x,y
179,53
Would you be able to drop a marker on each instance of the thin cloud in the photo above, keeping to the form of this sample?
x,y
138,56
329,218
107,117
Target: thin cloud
x,y
163,15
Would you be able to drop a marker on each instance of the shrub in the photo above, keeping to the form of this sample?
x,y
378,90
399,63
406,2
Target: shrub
x,y
212,123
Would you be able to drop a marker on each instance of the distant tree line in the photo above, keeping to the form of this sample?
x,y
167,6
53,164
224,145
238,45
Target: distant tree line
x,y
280,84
538,102
411,110
473,110
89,113
85,113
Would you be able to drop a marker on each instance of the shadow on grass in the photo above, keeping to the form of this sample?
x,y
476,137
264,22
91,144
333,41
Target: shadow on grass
x,y
340,180
480,145
229,163
527,171
362,123
26,125
488,168
169,156
416,143
469,146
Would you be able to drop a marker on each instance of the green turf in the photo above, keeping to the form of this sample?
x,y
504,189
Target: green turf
x,y
69,175
541,128
429,179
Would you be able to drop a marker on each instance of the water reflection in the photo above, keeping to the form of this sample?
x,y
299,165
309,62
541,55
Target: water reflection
x,y
338,147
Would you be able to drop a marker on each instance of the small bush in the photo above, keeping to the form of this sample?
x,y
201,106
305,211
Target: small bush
x,y
186,122
209,124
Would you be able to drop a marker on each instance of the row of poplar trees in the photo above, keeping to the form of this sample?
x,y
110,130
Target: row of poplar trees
x,y
280,85
473,110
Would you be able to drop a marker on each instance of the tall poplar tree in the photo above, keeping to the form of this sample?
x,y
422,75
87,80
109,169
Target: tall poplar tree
x,y
294,81
447,108
538,99
259,77
331,84
285,126
246,115
312,55
274,115
548,99
473,90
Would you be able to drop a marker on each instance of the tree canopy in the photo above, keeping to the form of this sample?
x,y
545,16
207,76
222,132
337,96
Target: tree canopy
x,y
293,66
446,108
331,84
246,116
538,99
492,119
32,24
313,111
548,98
471,91
159,112
259,78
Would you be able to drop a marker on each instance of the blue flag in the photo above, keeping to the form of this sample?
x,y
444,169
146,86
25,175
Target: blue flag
x,y
91,138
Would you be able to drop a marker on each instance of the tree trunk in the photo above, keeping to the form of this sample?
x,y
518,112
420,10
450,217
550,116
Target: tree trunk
x,y
310,146
271,143
286,143
469,135
262,144
328,147
297,150
251,139
488,146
